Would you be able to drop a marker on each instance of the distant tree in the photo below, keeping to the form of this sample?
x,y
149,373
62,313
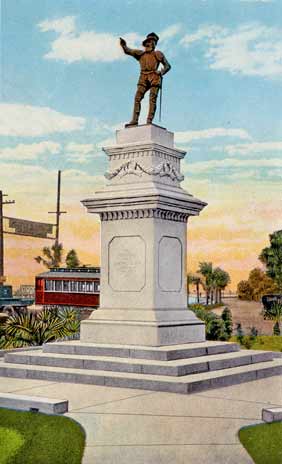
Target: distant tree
x,y
271,257
72,259
260,283
226,316
257,285
213,281
52,256
244,290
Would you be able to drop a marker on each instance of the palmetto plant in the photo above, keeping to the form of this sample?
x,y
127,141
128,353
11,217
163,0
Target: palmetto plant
x,y
31,329
274,313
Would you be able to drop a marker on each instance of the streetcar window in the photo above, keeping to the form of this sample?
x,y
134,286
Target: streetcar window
x,y
73,286
89,287
97,286
58,285
48,285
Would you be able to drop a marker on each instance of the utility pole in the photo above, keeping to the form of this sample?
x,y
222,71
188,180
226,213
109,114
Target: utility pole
x,y
58,211
8,202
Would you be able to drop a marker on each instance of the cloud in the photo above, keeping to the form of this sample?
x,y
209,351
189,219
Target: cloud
x,y
72,46
30,121
29,151
189,136
40,183
252,148
204,32
80,152
251,49
63,26
201,166
170,32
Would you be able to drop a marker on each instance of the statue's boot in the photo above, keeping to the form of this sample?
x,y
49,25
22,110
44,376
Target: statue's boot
x,y
136,110
153,104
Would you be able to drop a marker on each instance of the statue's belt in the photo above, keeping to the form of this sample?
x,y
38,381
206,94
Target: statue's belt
x,y
149,72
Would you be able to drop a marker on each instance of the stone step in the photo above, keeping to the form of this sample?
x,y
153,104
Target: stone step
x,y
171,368
164,353
272,414
33,403
185,384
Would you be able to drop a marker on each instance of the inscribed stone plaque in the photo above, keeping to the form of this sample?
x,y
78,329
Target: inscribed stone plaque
x,y
127,263
170,264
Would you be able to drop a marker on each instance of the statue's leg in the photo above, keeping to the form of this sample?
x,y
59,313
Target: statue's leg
x,y
153,103
137,105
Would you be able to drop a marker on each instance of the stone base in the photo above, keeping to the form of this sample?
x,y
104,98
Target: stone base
x,y
187,368
142,328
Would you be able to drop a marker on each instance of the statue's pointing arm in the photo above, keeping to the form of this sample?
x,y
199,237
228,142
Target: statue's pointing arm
x,y
130,51
166,65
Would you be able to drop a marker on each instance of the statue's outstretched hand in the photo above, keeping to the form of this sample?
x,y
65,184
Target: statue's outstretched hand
x,y
122,42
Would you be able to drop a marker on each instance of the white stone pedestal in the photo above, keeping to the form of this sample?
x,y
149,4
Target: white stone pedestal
x,y
143,213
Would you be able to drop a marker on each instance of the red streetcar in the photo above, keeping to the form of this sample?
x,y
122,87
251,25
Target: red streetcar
x,y
78,287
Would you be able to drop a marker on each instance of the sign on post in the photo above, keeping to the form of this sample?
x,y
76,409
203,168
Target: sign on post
x,y
29,228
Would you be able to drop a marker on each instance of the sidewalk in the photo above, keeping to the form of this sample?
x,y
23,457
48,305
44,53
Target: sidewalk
x,y
125,426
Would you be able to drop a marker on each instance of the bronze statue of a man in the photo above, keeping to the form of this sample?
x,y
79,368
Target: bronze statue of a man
x,y
150,76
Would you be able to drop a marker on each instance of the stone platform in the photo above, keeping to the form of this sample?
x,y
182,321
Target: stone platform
x,y
182,369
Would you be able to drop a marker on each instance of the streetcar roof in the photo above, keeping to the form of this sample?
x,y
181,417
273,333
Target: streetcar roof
x,y
82,273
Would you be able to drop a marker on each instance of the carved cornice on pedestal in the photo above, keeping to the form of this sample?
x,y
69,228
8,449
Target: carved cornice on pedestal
x,y
144,214
144,149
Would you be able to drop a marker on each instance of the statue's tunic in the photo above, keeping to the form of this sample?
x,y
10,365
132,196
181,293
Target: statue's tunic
x,y
149,63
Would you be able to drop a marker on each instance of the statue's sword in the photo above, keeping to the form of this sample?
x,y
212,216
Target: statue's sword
x,y
161,97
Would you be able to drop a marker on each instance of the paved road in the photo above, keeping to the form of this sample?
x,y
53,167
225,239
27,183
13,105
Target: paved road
x,y
125,426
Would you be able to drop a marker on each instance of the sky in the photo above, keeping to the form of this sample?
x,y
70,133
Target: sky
x,y
66,87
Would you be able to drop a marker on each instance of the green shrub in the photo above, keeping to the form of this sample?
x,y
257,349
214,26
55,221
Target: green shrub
x,y
239,333
227,319
215,327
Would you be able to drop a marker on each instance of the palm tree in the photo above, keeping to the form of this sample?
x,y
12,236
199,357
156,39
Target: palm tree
x,y
32,329
196,280
189,281
52,256
221,279
274,313
206,270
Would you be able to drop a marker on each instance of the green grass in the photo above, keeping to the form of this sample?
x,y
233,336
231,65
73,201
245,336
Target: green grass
x,y
35,438
263,342
10,442
263,442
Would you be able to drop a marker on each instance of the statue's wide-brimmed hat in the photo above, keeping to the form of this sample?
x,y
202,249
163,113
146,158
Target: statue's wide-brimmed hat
x,y
151,36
